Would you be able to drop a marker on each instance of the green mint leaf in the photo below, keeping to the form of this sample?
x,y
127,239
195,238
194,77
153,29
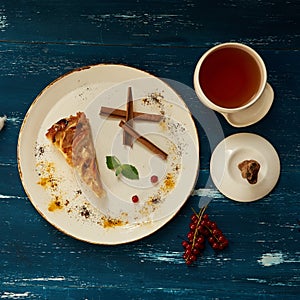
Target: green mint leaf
x,y
112,162
129,171
118,170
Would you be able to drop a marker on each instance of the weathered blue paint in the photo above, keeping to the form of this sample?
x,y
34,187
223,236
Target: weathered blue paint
x,y
41,40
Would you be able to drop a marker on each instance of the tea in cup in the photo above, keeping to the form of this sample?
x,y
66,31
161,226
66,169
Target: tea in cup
x,y
231,78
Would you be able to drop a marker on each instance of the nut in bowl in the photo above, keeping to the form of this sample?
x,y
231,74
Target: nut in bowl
x,y
231,78
249,170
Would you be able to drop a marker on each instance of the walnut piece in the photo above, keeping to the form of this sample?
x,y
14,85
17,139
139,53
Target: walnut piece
x,y
249,170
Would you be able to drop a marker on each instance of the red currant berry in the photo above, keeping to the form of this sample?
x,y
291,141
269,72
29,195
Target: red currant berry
x,y
213,225
215,246
188,262
135,199
193,226
154,179
188,252
205,217
189,246
203,223
199,246
185,244
190,236
193,257
211,240
196,251
208,223
200,239
200,228
222,239
217,232
194,218
221,246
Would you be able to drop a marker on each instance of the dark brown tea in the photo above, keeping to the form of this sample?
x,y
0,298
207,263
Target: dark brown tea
x,y
230,77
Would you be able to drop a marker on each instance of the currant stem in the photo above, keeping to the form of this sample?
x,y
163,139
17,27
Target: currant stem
x,y
211,232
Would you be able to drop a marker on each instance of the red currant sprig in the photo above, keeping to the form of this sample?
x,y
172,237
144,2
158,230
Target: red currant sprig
x,y
216,238
202,228
196,240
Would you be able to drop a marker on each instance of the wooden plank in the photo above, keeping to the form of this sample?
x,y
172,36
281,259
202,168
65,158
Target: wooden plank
x,y
187,23
41,40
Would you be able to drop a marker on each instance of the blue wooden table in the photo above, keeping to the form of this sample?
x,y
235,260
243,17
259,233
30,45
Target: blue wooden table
x,y
42,40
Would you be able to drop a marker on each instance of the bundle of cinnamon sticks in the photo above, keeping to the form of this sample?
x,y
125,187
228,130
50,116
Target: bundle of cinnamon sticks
x,y
128,117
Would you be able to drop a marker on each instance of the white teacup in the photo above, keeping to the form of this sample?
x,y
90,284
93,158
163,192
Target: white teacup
x,y
231,78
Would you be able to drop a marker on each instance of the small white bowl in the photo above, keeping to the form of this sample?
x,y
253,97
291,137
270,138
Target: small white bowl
x,y
227,176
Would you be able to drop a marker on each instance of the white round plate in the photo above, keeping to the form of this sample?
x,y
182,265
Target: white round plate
x,y
227,176
53,187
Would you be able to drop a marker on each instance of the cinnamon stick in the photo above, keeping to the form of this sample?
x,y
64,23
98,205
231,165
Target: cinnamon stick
x,y
127,138
152,147
120,113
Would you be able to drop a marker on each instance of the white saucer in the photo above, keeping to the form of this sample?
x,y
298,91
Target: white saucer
x,y
255,112
227,176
